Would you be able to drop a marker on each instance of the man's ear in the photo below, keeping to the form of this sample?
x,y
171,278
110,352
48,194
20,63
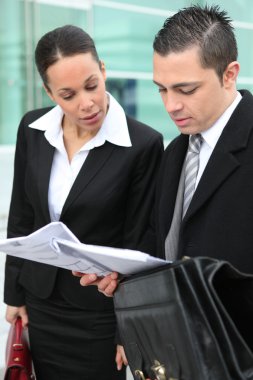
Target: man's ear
x,y
231,73
48,92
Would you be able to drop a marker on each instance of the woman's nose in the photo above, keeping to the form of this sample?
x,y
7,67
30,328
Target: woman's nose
x,y
85,102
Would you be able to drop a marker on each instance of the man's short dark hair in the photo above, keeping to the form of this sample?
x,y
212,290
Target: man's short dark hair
x,y
206,27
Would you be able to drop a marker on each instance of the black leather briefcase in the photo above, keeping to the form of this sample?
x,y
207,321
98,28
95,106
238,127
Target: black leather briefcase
x,y
190,320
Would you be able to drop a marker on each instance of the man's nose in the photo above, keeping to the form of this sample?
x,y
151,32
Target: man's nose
x,y
173,104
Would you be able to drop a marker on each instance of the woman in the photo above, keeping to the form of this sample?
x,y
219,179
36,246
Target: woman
x,y
85,163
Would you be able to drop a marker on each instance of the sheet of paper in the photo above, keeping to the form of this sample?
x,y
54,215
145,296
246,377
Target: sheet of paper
x,y
56,245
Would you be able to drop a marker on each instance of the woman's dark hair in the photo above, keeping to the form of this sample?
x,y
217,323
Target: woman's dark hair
x,y
208,28
65,41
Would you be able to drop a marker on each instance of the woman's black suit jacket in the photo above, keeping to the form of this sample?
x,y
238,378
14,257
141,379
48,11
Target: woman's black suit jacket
x,y
109,204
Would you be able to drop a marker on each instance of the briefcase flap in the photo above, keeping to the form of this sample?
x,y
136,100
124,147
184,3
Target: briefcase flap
x,y
193,316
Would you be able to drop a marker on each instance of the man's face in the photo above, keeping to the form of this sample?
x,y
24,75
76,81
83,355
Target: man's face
x,y
193,96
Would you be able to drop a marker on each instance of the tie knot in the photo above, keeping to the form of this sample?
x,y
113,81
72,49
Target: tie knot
x,y
195,143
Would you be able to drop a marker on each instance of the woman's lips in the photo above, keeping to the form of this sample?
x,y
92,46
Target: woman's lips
x,y
92,118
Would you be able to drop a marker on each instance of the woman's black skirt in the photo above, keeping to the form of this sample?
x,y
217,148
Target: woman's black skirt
x,y
69,343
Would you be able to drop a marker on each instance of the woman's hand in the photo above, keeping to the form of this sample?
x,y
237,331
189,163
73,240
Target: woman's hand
x,y
106,285
120,357
12,312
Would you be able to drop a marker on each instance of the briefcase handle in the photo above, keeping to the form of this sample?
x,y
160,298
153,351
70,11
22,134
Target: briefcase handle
x,y
18,332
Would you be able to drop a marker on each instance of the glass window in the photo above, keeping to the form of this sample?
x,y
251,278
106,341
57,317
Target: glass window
x,y
49,17
126,43
162,4
124,37
12,66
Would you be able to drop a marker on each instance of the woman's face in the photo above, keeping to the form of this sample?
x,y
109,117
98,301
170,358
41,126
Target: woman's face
x,y
77,85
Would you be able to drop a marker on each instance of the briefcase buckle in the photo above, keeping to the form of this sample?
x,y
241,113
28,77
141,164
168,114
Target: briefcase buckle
x,y
159,370
139,374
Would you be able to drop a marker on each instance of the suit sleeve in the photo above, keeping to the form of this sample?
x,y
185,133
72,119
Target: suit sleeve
x,y
141,194
20,222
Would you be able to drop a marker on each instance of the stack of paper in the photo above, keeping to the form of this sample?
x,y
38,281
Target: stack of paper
x,y
56,245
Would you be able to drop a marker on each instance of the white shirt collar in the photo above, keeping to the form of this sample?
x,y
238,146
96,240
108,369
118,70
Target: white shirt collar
x,y
114,128
211,135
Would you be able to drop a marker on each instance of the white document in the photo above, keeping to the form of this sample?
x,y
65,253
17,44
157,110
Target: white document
x,y
56,245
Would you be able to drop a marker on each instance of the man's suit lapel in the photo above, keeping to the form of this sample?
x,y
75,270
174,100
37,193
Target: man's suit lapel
x,y
219,168
93,164
224,159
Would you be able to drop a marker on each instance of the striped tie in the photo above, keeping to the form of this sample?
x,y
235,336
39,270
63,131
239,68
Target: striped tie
x,y
191,169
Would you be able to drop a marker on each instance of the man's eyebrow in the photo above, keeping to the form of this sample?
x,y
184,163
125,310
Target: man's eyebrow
x,y
180,84
184,84
158,84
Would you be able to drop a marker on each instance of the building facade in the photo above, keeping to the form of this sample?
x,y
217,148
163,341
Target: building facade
x,y
123,31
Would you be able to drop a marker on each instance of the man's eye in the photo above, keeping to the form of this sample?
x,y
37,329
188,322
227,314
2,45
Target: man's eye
x,y
91,88
188,92
161,89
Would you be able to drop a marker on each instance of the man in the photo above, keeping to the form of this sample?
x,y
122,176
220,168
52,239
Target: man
x,y
204,198
195,70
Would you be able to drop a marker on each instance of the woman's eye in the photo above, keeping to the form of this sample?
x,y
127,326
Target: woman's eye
x,y
67,96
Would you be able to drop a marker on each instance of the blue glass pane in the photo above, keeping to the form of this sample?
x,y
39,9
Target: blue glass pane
x,y
141,100
124,39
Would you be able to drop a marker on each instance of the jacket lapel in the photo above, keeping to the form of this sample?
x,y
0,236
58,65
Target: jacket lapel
x,y
224,159
93,164
218,169
45,158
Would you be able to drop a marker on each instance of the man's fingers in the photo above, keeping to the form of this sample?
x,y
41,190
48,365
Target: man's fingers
x,y
89,279
120,357
77,274
119,361
124,358
114,275
107,281
104,283
108,284
109,289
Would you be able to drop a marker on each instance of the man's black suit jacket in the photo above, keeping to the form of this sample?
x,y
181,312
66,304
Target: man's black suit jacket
x,y
219,221
109,204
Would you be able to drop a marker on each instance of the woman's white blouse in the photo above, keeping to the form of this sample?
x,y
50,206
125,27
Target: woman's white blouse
x,y
63,173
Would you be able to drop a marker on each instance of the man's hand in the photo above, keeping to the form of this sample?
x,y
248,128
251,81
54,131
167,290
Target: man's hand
x,y
13,312
106,285
120,357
